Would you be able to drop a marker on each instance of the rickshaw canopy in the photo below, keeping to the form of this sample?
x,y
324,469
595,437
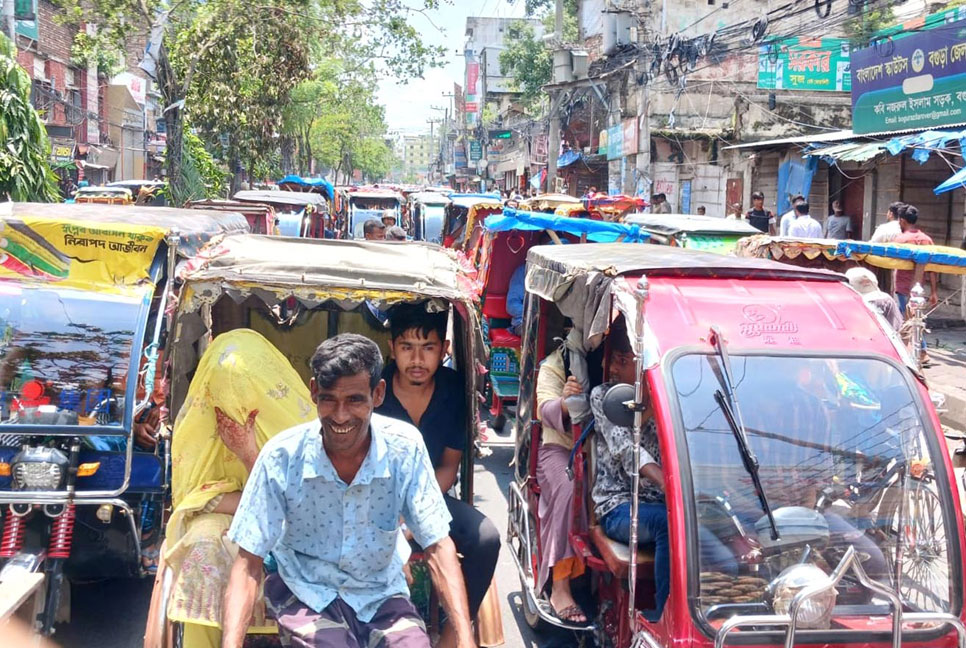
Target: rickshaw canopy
x,y
596,231
696,232
903,256
549,201
487,201
299,199
430,198
321,185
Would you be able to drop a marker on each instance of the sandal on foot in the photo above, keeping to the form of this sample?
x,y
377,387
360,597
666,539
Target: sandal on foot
x,y
570,614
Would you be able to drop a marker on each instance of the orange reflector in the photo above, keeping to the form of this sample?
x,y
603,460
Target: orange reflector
x,y
4,469
88,469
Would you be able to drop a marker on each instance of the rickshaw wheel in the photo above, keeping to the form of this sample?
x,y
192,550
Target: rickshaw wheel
x,y
530,614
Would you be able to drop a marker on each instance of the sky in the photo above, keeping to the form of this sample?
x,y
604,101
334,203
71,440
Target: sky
x,y
409,105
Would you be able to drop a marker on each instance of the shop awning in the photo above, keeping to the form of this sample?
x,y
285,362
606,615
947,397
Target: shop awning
x,y
850,151
955,182
567,158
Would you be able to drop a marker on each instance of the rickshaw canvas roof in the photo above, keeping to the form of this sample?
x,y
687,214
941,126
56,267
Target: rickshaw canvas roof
x,y
297,198
597,231
376,193
903,256
196,226
670,224
272,261
431,198
469,201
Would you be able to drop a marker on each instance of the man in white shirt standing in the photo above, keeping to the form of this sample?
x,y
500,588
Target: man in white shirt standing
x,y
804,226
789,217
890,229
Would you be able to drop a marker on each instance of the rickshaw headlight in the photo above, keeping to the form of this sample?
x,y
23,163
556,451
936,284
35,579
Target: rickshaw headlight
x,y
39,469
816,611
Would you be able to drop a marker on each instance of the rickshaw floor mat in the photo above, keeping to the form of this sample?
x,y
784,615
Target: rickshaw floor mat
x,y
617,555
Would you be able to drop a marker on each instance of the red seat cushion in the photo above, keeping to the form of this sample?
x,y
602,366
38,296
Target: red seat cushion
x,y
495,305
503,338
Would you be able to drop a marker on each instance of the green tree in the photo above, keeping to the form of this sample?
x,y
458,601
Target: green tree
x,y
25,173
527,59
870,20
226,43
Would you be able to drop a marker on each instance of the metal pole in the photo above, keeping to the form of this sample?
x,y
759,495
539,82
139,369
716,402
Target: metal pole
x,y
9,22
641,294
553,143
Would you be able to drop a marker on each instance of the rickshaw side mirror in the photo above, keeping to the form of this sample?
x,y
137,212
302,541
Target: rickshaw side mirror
x,y
617,405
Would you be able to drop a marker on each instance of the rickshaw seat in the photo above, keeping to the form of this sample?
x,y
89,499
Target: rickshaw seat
x,y
495,305
617,555
504,338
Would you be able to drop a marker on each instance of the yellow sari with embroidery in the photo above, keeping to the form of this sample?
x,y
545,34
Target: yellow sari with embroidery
x,y
241,371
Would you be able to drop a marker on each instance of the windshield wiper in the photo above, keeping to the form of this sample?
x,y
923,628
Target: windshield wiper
x,y
729,407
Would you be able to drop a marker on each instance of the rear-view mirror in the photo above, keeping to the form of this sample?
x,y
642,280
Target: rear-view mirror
x,y
618,403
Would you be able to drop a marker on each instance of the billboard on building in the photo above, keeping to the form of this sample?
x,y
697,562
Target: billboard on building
x,y
805,64
29,27
914,81
615,142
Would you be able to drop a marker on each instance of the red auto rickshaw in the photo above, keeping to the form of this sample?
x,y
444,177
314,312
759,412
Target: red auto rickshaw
x,y
793,429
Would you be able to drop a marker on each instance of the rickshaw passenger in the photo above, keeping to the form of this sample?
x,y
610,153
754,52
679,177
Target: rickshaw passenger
x,y
374,230
241,377
554,387
516,291
419,390
613,480
325,499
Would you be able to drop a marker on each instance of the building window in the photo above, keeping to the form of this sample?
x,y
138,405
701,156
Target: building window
x,y
41,97
75,111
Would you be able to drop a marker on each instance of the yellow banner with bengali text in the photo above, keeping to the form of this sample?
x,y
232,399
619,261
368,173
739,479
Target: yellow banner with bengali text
x,y
77,254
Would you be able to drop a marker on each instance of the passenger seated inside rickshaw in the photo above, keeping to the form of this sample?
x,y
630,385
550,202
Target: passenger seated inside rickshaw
x,y
559,395
432,397
243,393
613,468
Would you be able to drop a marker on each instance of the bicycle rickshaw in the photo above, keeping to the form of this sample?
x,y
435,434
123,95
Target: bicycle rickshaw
x,y
505,243
793,430
707,233
297,293
83,295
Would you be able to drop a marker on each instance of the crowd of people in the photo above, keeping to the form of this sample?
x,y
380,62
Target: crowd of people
x,y
369,443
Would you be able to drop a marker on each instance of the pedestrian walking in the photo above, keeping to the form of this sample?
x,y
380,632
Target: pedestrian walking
x,y
804,226
889,230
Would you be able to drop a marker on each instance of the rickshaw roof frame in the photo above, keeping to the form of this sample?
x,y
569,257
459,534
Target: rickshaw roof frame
x,y
599,231
419,268
430,198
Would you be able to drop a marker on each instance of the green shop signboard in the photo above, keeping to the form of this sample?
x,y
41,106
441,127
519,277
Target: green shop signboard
x,y
914,81
805,64
615,142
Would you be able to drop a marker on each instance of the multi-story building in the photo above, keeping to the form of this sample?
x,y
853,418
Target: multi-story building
x,y
418,154
96,124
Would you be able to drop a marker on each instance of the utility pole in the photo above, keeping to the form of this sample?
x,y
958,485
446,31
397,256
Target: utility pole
x,y
553,145
9,22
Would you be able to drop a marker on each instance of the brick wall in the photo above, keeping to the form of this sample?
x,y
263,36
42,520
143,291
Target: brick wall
x,y
55,39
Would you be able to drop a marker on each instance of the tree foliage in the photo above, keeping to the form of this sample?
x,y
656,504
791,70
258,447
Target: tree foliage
x,y
527,59
25,173
231,66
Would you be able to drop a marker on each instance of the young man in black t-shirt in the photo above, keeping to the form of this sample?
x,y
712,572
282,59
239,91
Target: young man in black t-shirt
x,y
760,217
419,390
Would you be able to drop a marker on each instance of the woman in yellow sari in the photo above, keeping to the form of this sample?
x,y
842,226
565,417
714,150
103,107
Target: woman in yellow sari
x,y
243,393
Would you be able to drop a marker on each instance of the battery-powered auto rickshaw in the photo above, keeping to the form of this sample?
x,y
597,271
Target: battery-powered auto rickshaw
x,y
83,295
696,232
297,293
104,196
426,213
793,432
463,223
360,204
548,203
297,213
503,252
149,193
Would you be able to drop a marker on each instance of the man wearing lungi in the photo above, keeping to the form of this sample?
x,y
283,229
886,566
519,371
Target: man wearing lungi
x,y
325,499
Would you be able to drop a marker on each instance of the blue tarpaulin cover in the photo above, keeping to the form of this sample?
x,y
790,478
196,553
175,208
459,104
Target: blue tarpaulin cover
x,y
596,231
927,254
567,158
315,183
955,182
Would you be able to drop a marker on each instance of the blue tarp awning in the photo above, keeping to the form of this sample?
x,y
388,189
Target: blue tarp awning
x,y
919,254
957,180
567,158
314,183
596,231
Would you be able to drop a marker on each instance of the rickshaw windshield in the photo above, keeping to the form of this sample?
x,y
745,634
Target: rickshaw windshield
x,y
433,223
843,460
64,355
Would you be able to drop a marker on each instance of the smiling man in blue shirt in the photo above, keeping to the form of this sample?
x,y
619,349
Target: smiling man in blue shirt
x,y
325,499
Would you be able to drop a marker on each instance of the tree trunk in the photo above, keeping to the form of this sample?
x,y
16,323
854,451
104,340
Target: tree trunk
x,y
174,123
287,145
